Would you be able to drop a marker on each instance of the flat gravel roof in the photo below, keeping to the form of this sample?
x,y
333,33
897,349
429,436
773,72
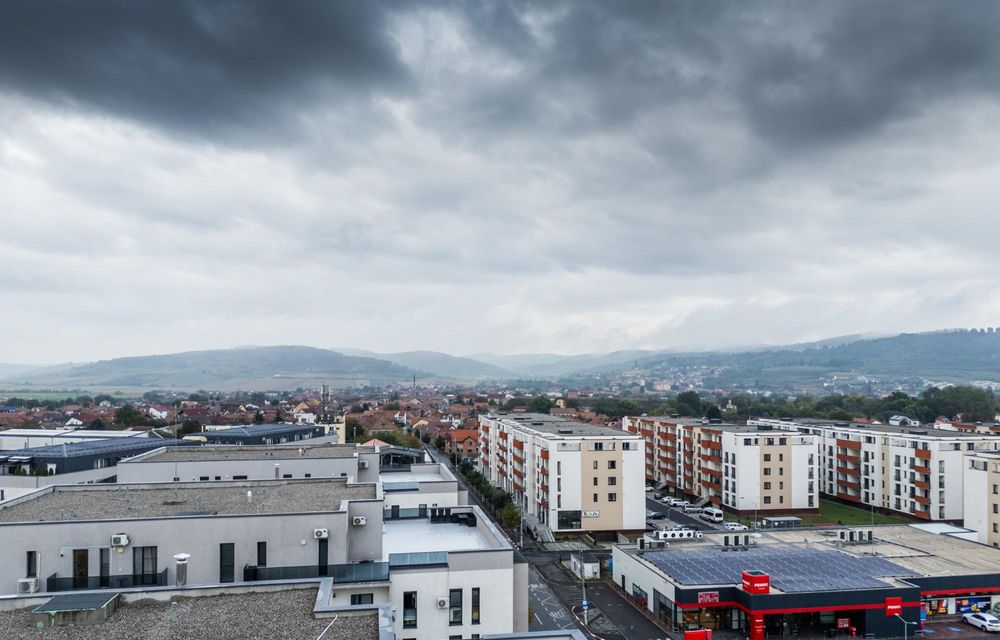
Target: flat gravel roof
x,y
129,501
232,452
275,615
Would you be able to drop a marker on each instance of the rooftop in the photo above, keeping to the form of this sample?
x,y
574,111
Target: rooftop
x,y
230,452
922,431
259,430
424,536
280,615
92,448
794,558
131,501
556,426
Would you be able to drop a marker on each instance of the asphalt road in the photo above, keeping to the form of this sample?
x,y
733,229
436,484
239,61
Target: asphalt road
x,y
549,611
678,516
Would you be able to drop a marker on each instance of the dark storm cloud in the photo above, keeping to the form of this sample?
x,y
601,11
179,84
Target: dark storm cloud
x,y
205,67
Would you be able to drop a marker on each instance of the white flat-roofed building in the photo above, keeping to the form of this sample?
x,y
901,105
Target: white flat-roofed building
x,y
745,468
571,476
446,570
12,439
256,462
916,471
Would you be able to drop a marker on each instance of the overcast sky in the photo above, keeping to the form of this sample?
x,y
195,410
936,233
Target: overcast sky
x,y
504,176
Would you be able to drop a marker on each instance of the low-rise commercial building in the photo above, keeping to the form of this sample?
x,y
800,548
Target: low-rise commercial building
x,y
916,471
11,439
263,434
446,570
810,582
26,470
570,476
744,468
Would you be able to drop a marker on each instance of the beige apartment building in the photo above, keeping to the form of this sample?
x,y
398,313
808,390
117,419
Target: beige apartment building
x,y
744,468
913,470
570,476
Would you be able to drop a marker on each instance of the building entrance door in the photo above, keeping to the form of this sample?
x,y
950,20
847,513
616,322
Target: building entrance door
x,y
81,568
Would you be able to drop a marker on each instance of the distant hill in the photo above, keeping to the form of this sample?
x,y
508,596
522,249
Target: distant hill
x,y
948,356
7,369
250,368
440,364
550,365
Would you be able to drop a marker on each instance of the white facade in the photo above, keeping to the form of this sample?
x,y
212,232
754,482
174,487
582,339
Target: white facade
x,y
570,476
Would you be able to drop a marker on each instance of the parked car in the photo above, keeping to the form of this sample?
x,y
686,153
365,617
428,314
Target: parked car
x,y
680,504
982,621
734,526
690,508
657,516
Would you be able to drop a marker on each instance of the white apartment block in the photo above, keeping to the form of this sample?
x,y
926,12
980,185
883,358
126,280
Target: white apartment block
x,y
916,471
571,476
743,468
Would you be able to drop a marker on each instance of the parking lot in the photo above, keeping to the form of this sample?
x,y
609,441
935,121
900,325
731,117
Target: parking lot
x,y
676,517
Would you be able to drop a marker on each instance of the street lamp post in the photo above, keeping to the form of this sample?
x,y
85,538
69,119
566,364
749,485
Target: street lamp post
x,y
583,585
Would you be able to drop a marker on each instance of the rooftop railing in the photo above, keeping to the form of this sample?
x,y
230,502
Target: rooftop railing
x,y
56,583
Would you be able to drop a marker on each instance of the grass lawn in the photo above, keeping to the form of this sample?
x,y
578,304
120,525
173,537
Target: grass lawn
x,y
836,513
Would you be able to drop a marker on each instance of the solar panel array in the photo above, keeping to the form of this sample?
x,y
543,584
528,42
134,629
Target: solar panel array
x,y
791,569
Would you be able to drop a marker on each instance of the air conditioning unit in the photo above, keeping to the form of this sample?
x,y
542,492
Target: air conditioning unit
x,y
119,540
442,603
27,585
359,521
321,534
362,464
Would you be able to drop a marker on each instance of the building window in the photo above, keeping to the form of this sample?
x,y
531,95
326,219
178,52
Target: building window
x,y
995,510
31,570
227,562
996,529
598,446
767,499
767,457
595,464
781,457
558,467
410,610
595,481
612,481
595,497
261,554
239,477
475,605
362,598
612,464
144,565
767,471
767,486
203,478
612,497
455,607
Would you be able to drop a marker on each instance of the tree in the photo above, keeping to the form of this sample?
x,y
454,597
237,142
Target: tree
x,y
689,404
353,430
540,404
97,425
128,416
439,443
713,412
188,427
510,516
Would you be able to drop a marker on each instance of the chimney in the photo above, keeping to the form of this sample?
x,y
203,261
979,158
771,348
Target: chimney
x,y
277,470
249,497
181,571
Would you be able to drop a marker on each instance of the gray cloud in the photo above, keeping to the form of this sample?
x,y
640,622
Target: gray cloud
x,y
464,176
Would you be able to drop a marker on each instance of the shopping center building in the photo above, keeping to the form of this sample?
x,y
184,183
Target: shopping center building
x,y
811,581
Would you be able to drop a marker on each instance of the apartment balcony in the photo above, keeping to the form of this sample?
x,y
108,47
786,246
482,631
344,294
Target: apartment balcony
x,y
714,486
69,583
518,444
921,469
545,454
923,515
669,436
711,444
848,471
707,457
484,428
922,500
849,458
848,444
517,459
920,484
848,497
518,473
340,573
646,433
847,484
922,454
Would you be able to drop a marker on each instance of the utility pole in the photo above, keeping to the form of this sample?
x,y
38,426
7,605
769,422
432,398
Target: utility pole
x,y
583,585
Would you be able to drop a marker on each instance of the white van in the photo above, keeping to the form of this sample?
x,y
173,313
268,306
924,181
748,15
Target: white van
x,y
690,508
712,514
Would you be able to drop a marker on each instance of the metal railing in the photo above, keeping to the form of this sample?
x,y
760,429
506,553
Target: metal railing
x,y
56,583
340,573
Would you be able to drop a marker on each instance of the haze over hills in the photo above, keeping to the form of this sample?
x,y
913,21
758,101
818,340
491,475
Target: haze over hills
x,y
947,356
439,364
248,368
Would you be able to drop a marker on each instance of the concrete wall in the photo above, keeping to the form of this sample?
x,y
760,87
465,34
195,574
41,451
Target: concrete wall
x,y
141,470
976,498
